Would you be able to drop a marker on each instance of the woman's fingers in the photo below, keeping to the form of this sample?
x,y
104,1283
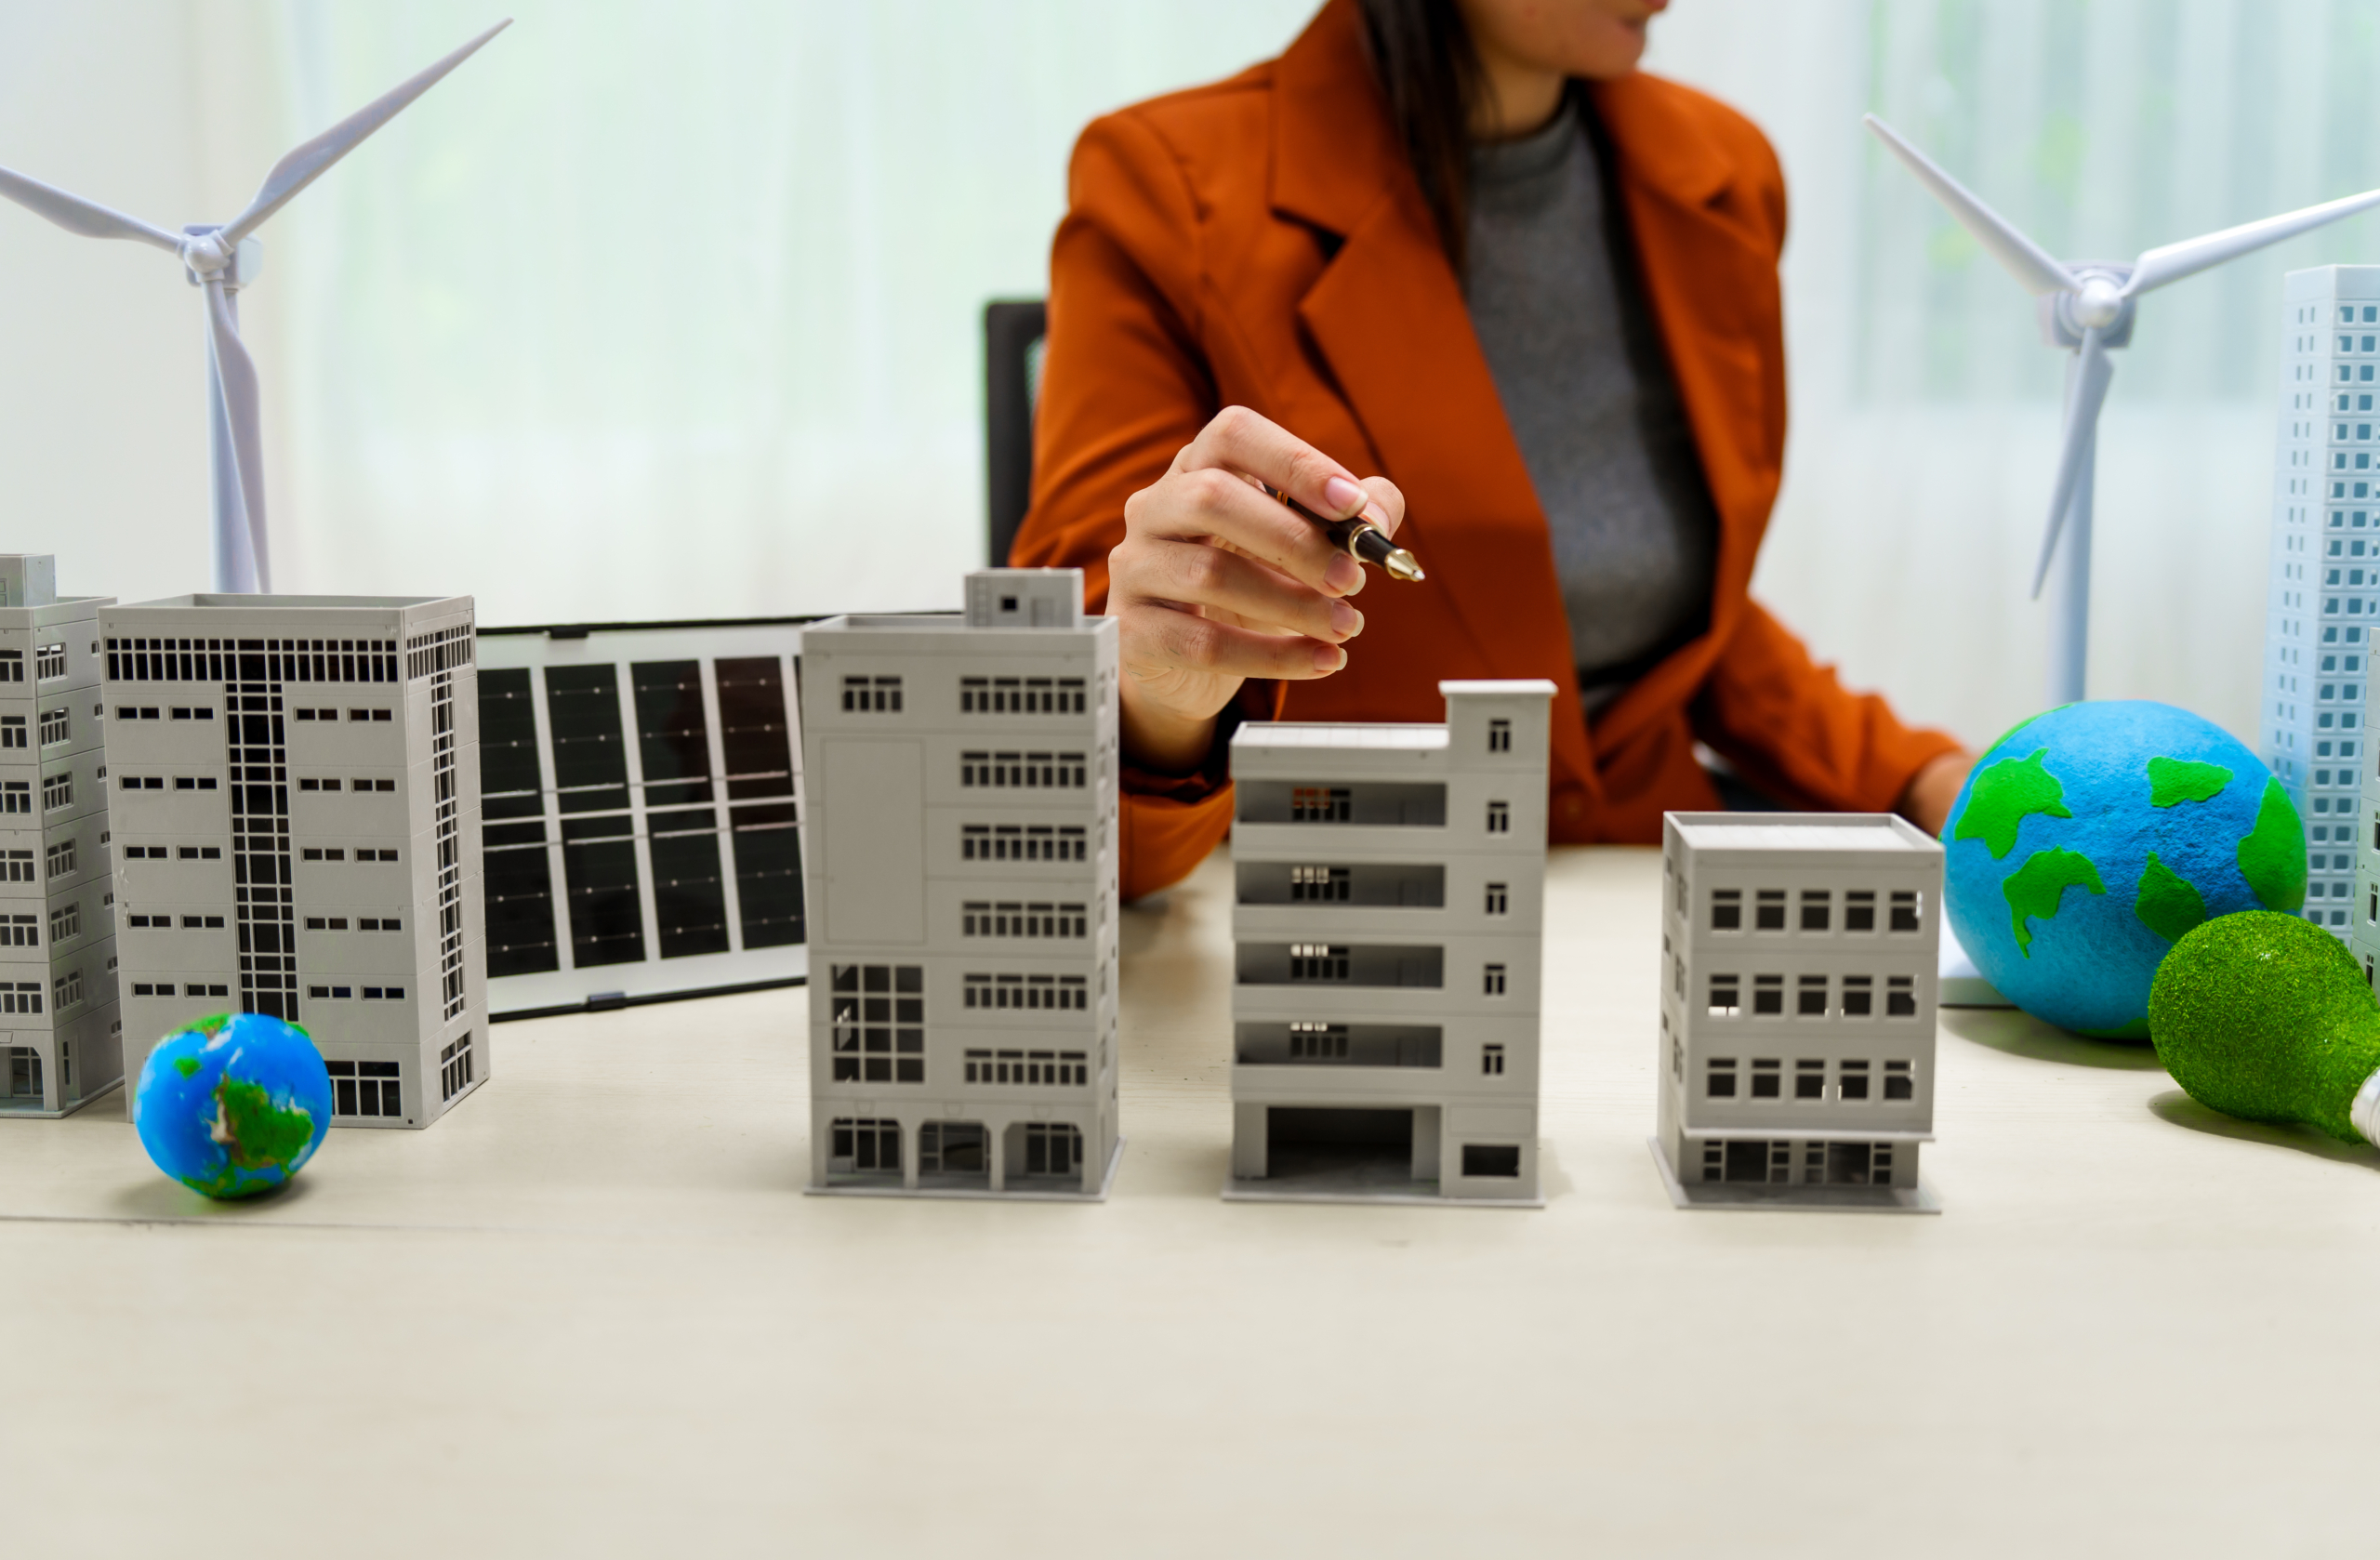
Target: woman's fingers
x,y
1384,503
1166,639
1169,572
1210,503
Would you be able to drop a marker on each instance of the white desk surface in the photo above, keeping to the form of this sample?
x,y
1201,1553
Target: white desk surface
x,y
589,1314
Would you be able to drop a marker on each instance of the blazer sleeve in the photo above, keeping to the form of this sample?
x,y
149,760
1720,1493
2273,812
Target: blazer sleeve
x,y
1792,730
1124,386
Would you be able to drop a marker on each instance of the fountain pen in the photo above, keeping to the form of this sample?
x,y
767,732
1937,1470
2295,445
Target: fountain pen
x,y
1359,539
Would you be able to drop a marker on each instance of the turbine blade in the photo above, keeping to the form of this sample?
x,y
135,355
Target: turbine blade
x,y
2170,262
235,376
2025,260
2091,382
79,216
310,162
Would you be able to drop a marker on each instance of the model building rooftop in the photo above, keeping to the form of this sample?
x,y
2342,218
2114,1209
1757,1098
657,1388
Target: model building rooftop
x,y
287,604
1325,733
1796,831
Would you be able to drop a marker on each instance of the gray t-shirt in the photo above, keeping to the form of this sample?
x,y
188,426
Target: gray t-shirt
x,y
1587,389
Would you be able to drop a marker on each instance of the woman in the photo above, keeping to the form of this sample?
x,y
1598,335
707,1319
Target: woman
x,y
1464,245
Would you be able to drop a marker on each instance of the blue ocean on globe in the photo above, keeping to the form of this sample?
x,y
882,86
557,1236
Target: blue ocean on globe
x,y
234,1105
2089,838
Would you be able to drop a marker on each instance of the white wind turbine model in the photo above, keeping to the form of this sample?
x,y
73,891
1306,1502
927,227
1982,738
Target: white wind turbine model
x,y
2086,306
223,259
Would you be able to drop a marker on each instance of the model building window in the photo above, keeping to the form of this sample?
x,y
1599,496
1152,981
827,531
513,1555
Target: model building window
x,y
1021,842
879,1014
1318,883
1860,910
1899,1084
1901,996
1816,909
202,713
1727,997
16,796
1021,695
1809,1080
1809,997
22,996
67,989
12,665
1854,1080
1768,912
1052,1148
1023,771
384,993
1767,994
365,1088
1858,996
64,922
12,731
1768,1075
54,726
1317,1042
1499,736
326,993
863,1145
1719,1078
1500,817
455,1068
1320,804
1491,1061
879,695
1905,910
21,931
1318,961
51,662
198,988
1010,919
1727,909
57,790
18,867
1492,980
1027,993
24,1072
1500,899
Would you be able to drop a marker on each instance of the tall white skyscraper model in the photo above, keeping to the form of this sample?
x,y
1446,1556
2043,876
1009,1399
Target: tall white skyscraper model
x,y
1798,961
960,783
1388,928
296,791
2325,593
60,1033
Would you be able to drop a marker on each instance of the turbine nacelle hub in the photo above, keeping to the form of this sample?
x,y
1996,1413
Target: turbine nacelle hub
x,y
2098,302
206,257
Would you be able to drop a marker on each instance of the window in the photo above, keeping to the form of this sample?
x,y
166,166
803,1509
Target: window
x,y
1853,1082
1027,993
1492,980
54,725
1858,996
1726,910
1491,1158
64,922
1768,910
16,796
455,1068
1021,695
1905,910
1051,1148
359,785
1860,910
12,731
24,1079
20,932
1009,919
202,853
1059,1068
1816,908
197,988
879,695
1809,997
1767,1076
1318,961
878,1018
22,996
50,661
1900,1085
1767,994
863,1146
1719,1078
1809,1080
202,713
1320,804
57,791
1901,996
365,1088
1023,771
330,993
1317,1042
384,994
1499,736
12,665
17,867
1498,898
1727,997
1500,817
1022,843
66,990
1491,1061
1318,883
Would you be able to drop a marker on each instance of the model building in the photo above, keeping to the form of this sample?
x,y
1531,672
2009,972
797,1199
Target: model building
x,y
961,776
1388,928
294,788
58,1024
1798,961
2324,590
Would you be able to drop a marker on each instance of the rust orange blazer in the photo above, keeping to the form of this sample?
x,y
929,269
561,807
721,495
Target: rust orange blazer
x,y
1263,242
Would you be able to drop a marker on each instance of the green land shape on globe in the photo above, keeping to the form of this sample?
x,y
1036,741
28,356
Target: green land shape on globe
x,y
2168,904
256,1133
2172,780
2272,855
2005,796
2034,888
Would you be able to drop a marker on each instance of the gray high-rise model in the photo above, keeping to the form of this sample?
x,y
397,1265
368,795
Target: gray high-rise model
x,y
960,779
1389,932
61,1034
296,791
1798,967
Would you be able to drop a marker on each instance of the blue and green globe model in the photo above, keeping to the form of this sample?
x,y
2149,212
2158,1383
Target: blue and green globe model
x,y
2088,839
234,1105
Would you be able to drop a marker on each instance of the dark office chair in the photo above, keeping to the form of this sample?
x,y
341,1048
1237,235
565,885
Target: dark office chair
x,y
1013,330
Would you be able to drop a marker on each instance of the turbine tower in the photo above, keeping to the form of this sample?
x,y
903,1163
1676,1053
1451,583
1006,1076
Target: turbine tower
x,y
222,259
2087,307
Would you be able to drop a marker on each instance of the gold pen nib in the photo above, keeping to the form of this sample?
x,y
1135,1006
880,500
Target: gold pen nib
x,y
1402,564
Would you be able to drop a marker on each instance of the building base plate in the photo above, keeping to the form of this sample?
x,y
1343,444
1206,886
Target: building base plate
x,y
980,1193
1808,1200
61,1115
1353,1186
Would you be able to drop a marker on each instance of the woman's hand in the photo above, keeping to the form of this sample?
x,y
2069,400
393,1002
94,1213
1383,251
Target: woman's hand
x,y
1215,582
1934,789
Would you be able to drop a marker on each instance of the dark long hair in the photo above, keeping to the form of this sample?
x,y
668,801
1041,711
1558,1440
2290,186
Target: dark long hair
x,y
1431,73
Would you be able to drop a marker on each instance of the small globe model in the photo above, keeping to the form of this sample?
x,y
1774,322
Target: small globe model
x,y
234,1105
2088,839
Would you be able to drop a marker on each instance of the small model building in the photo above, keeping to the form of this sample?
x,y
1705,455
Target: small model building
x,y
1798,961
61,1034
295,792
1389,930
960,779
642,812
2324,594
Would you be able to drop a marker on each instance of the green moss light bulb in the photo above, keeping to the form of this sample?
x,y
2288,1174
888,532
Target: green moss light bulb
x,y
2268,1018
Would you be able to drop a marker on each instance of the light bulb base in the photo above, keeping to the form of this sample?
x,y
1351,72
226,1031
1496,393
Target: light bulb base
x,y
2364,1114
